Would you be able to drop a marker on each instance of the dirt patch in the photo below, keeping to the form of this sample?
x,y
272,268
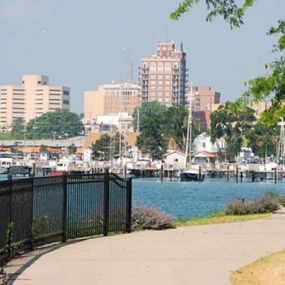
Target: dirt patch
x,y
265,271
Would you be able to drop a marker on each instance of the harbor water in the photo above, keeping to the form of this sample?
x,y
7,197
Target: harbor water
x,y
194,199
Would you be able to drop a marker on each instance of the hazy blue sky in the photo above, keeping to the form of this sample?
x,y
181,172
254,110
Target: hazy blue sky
x,y
84,43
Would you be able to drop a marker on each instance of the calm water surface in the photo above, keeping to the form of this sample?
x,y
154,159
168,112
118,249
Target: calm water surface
x,y
192,199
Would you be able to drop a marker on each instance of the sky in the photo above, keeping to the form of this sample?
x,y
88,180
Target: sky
x,y
82,44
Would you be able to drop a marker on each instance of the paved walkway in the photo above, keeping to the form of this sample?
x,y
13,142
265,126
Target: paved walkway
x,y
201,255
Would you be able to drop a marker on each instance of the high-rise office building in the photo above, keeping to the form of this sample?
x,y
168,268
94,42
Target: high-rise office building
x,y
31,99
163,77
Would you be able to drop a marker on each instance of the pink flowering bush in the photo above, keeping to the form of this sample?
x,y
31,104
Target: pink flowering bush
x,y
148,218
266,204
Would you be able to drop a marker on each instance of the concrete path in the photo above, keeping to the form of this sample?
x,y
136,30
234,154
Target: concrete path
x,y
201,255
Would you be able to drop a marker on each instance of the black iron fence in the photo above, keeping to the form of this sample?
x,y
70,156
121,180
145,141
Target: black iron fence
x,y
48,209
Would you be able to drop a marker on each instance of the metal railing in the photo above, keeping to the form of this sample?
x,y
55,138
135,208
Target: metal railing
x,y
41,210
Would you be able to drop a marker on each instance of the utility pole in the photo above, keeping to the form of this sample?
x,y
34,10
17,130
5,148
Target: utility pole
x,y
138,120
25,134
120,144
281,144
110,148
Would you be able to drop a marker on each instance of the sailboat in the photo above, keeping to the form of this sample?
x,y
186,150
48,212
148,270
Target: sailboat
x,y
190,172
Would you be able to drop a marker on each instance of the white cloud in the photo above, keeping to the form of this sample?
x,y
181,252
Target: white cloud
x,y
20,9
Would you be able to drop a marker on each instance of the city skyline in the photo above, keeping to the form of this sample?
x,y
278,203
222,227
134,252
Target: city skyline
x,y
92,44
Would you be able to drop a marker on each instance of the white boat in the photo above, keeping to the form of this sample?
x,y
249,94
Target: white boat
x,y
62,165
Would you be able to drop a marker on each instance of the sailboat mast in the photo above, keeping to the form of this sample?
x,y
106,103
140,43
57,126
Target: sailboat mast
x,y
189,131
281,144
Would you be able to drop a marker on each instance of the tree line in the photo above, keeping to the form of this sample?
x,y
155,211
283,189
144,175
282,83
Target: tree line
x,y
159,127
237,123
51,125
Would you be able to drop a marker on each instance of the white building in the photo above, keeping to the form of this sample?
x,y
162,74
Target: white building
x,y
121,121
174,159
203,143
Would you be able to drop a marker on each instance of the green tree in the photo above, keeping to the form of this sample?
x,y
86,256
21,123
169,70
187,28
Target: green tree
x,y
72,148
57,124
107,147
238,125
263,140
43,148
17,129
231,10
272,85
176,125
152,139
159,125
233,121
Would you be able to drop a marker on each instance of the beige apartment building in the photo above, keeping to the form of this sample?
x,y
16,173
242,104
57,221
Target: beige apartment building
x,y
204,102
163,76
204,98
31,99
111,99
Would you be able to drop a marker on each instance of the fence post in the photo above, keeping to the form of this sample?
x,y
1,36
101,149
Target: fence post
x,y
161,172
200,173
275,174
106,202
64,208
32,215
129,206
10,227
228,172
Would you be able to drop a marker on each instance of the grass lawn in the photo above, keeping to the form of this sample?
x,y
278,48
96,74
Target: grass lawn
x,y
269,270
220,218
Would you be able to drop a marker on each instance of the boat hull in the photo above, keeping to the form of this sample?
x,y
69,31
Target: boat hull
x,y
189,176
